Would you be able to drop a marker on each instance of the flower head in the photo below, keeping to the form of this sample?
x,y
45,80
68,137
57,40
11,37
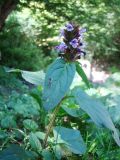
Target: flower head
x,y
61,47
72,47
69,27
74,43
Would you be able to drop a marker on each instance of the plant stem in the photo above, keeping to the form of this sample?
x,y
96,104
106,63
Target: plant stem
x,y
52,123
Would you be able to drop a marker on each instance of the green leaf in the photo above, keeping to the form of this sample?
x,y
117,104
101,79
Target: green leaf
x,y
113,104
82,74
32,155
25,105
96,110
30,124
72,109
3,134
14,152
34,142
7,69
57,82
36,78
47,155
60,150
8,122
71,138
41,136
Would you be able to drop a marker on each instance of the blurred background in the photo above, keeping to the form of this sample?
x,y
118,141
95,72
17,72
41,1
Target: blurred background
x,y
29,31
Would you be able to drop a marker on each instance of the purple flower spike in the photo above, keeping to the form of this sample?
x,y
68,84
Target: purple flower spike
x,y
61,47
74,43
72,46
69,27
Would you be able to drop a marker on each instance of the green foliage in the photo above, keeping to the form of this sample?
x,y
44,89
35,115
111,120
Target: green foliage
x,y
71,138
82,74
30,119
34,142
25,43
24,105
71,108
8,122
96,110
14,83
30,124
57,82
47,155
41,22
100,18
35,78
17,153
17,48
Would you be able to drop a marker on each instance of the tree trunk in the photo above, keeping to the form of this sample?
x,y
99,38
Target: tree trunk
x,y
5,9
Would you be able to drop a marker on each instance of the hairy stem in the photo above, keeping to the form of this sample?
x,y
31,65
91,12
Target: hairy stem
x,y
52,120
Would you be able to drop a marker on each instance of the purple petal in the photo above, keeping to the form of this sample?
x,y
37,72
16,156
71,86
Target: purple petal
x,y
61,47
74,43
69,27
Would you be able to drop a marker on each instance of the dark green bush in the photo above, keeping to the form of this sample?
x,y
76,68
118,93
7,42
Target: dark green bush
x,y
18,50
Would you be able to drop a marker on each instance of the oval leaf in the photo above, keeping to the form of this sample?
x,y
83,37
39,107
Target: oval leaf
x,y
96,110
35,143
71,138
36,78
57,82
30,124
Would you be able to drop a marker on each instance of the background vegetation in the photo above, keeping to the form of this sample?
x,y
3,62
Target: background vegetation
x,y
28,33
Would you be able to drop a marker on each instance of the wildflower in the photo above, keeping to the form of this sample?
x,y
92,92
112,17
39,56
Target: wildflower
x,y
69,27
72,47
61,47
74,43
